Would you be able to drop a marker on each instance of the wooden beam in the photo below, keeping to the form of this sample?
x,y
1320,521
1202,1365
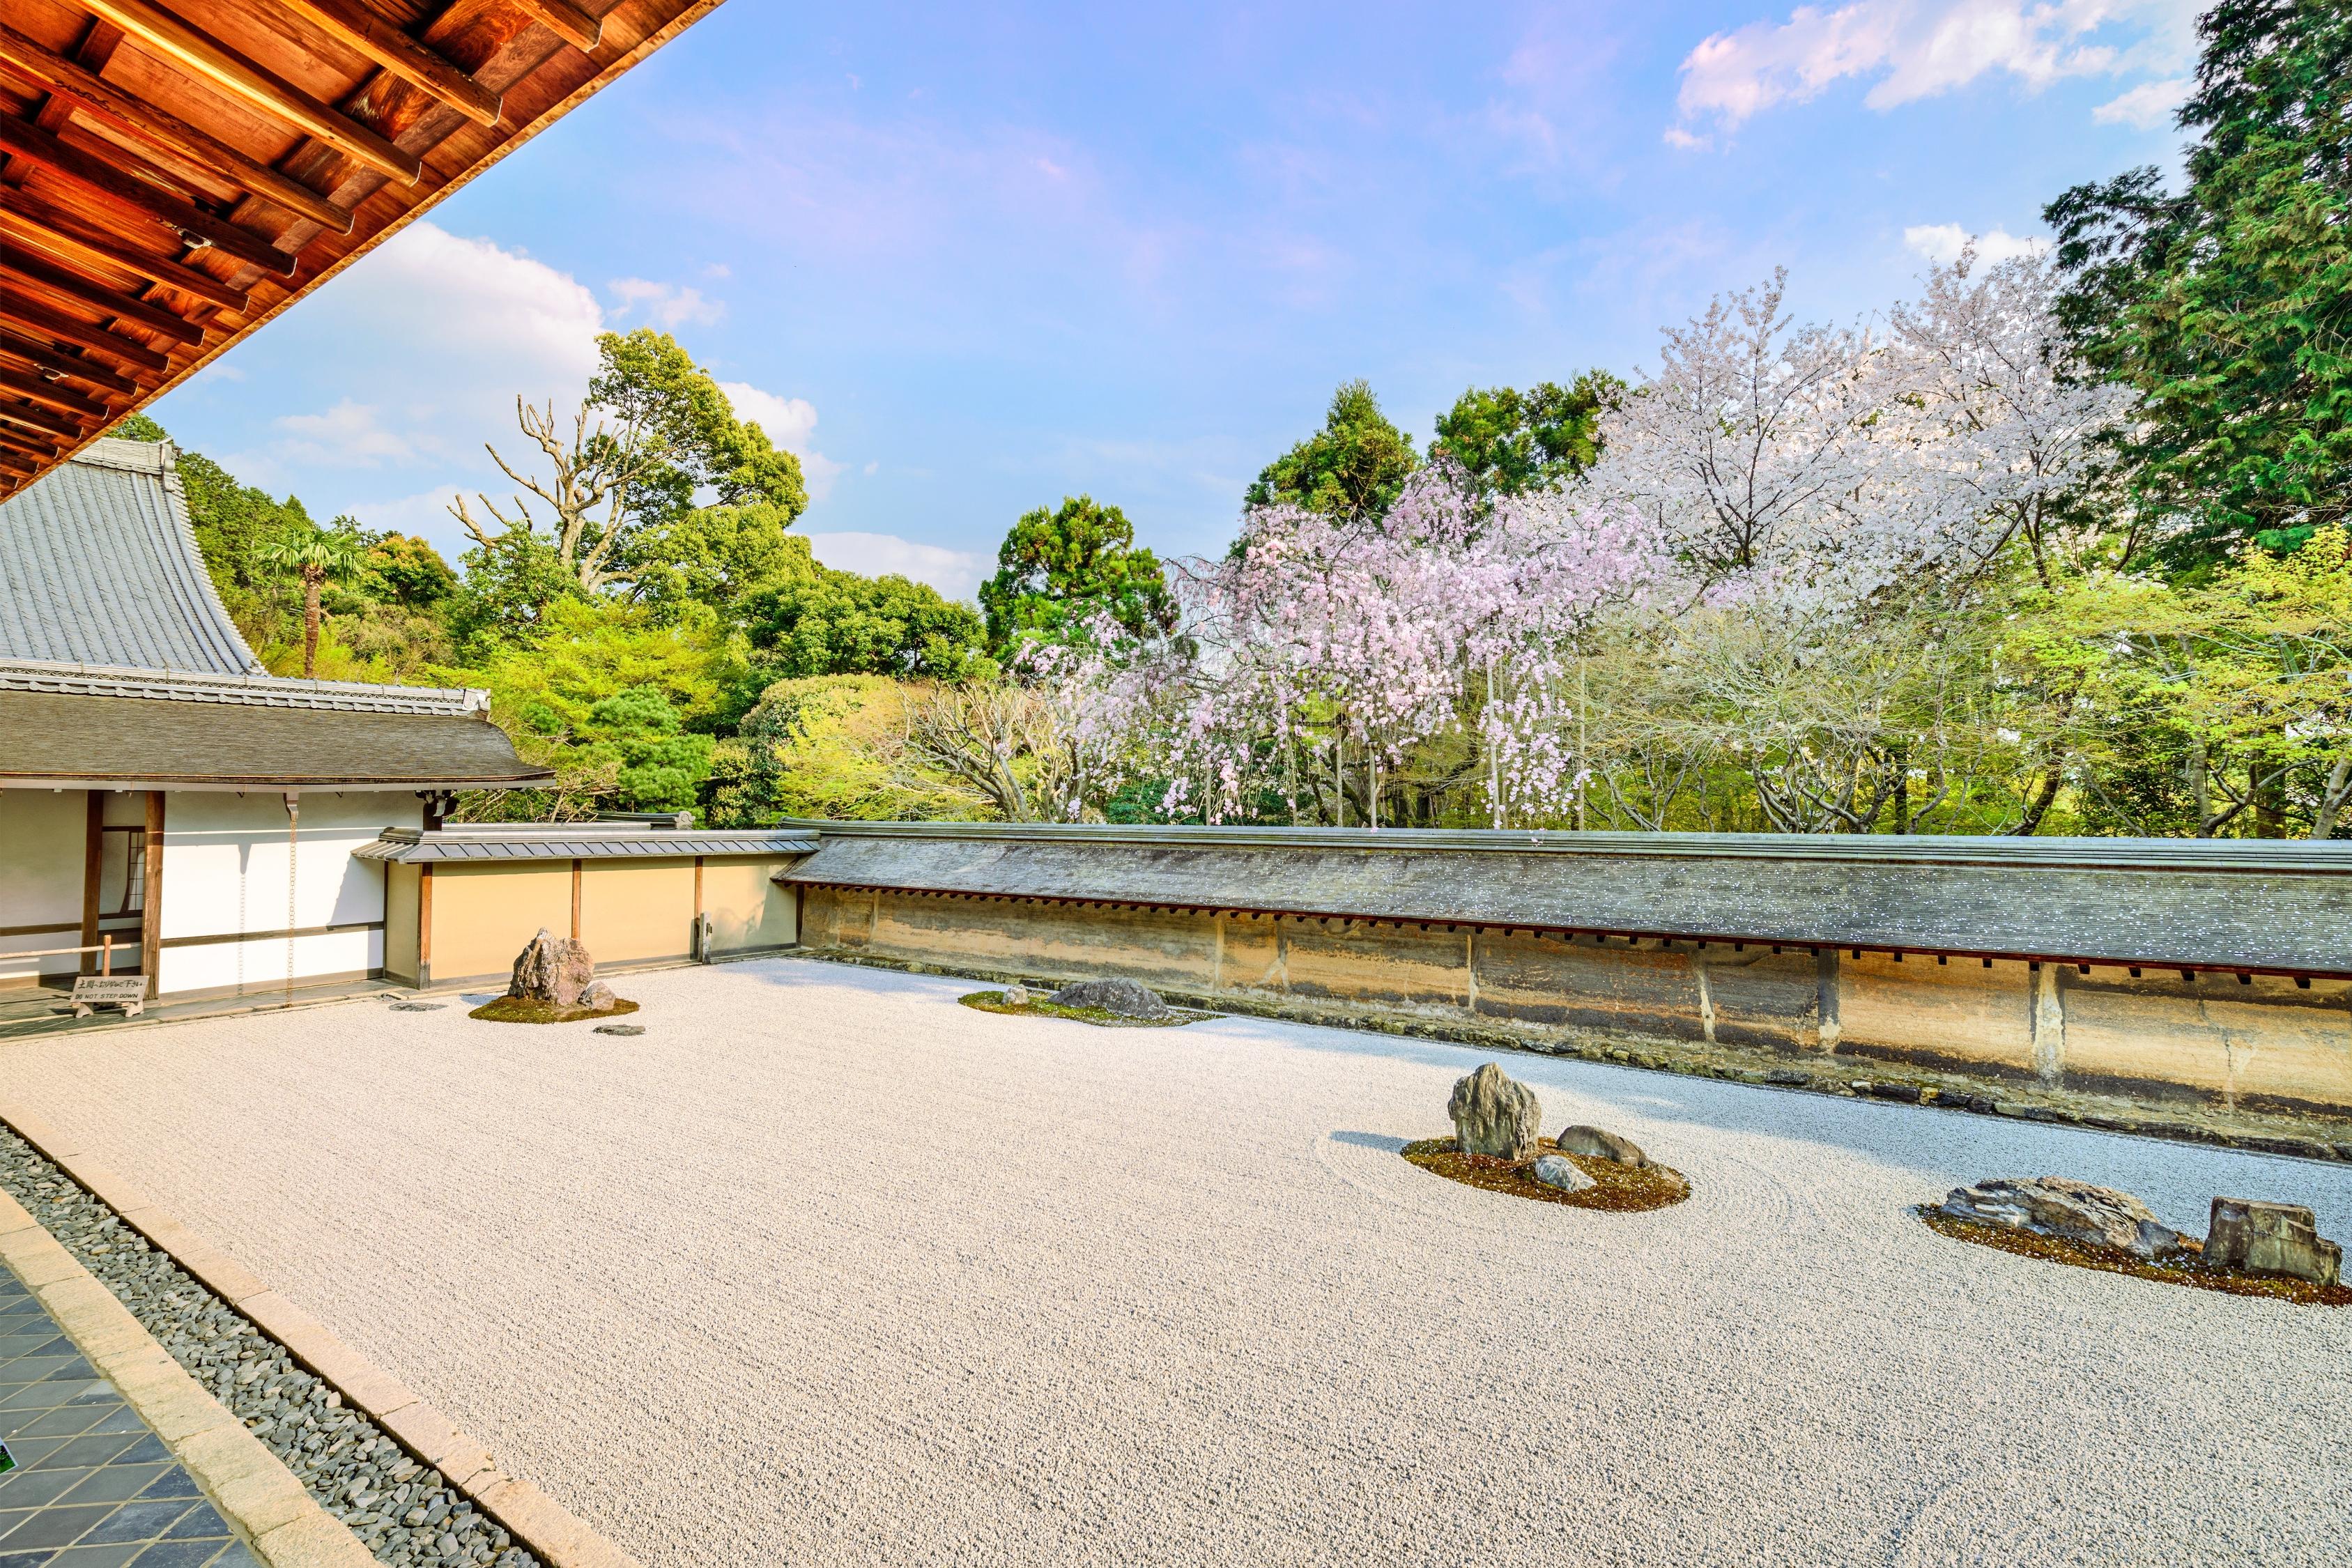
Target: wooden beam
x,y
38,317
366,31
567,22
184,217
50,393
16,440
42,357
151,902
45,419
159,127
214,61
23,468
26,217
18,262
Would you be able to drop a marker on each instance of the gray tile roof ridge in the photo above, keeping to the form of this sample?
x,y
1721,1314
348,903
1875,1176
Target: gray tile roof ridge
x,y
255,689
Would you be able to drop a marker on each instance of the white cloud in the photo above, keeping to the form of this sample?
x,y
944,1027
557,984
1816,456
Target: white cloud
x,y
955,572
1943,242
349,433
2147,106
790,423
426,513
1912,49
446,297
666,305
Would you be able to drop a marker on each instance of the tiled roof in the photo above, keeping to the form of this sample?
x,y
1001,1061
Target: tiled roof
x,y
580,841
238,691
98,566
63,740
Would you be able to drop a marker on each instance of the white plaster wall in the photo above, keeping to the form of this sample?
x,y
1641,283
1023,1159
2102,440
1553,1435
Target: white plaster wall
x,y
224,870
42,833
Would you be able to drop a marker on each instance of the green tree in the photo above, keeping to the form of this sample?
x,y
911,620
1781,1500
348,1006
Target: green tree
x,y
1510,442
2228,305
404,569
653,432
1058,570
718,556
313,558
635,740
1353,466
838,623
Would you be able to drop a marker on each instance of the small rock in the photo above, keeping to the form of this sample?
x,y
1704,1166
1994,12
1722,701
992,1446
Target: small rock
x,y
1016,996
618,1030
1595,1144
2067,1209
1121,998
597,997
1494,1115
1908,1093
1788,1078
1554,1171
2280,1239
417,1006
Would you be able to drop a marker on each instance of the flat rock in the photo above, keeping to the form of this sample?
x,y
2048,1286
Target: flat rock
x,y
1558,1171
2065,1208
1494,1114
2280,1239
618,1030
1596,1145
417,1006
1121,998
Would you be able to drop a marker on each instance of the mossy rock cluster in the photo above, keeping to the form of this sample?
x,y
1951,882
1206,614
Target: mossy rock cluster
x,y
1616,1188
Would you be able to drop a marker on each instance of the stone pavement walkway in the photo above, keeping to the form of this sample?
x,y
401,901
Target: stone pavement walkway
x,y
92,1486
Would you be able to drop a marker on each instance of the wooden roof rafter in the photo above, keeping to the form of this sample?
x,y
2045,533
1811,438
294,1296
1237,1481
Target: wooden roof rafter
x,y
176,172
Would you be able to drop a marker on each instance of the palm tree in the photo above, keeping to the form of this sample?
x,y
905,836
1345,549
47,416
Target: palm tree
x,y
314,557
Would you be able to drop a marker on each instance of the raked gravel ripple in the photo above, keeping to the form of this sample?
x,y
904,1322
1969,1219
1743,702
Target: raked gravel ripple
x,y
404,1513
824,1268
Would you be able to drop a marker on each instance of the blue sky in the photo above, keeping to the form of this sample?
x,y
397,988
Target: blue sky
x,y
969,258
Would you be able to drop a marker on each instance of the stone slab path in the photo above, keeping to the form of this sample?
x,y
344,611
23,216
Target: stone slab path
x,y
824,1268
93,1485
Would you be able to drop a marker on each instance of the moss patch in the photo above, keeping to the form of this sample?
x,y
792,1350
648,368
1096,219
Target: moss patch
x,y
526,1010
2185,1266
1616,1189
994,1001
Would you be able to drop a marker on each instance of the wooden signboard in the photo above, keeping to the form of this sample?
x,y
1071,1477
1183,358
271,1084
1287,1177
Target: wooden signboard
x,y
128,992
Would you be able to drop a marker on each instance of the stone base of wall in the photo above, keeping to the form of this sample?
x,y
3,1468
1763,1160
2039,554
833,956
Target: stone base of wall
x,y
2237,1055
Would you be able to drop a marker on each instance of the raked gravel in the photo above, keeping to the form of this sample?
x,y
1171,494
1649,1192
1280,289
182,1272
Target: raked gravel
x,y
402,1512
824,1268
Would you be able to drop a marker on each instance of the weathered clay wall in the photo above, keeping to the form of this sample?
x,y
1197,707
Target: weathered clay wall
x,y
2251,1040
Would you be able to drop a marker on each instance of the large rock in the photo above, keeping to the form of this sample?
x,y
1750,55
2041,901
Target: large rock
x,y
1558,1171
597,997
1120,998
2070,1210
1494,1115
1594,1144
552,969
2272,1239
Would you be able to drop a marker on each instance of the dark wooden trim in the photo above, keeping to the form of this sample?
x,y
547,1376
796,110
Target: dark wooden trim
x,y
93,866
215,938
151,918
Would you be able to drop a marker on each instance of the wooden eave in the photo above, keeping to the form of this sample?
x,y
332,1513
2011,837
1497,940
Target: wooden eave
x,y
176,172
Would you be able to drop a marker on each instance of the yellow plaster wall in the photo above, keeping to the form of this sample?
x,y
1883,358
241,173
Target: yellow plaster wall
x,y
746,909
637,911
400,923
483,915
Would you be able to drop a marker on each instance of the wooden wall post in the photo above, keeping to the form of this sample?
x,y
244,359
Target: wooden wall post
x,y
576,900
150,916
425,925
93,868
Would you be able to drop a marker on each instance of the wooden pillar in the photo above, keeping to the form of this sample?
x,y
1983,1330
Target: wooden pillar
x,y
151,917
698,887
93,866
425,925
575,900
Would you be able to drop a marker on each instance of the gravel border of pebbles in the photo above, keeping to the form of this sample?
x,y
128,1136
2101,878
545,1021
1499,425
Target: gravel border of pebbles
x,y
405,1511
